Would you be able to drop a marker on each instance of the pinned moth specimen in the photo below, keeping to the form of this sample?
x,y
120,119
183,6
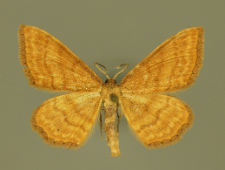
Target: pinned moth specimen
x,y
156,118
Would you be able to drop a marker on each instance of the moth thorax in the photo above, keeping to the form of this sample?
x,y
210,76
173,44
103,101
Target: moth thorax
x,y
114,98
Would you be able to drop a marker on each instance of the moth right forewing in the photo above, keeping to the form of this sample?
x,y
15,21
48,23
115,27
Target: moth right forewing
x,y
172,66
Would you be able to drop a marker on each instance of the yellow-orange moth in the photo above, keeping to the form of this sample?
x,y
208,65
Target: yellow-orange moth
x,y
156,118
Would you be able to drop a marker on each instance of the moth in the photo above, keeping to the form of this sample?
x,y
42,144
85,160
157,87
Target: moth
x,y
157,119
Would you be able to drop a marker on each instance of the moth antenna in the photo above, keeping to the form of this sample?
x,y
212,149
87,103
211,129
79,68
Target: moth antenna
x,y
125,64
104,72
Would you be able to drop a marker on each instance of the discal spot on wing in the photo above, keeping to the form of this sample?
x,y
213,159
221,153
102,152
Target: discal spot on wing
x,y
174,65
157,120
66,120
51,65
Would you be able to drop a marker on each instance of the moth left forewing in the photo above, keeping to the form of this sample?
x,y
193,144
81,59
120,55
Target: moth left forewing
x,y
157,120
50,65
67,120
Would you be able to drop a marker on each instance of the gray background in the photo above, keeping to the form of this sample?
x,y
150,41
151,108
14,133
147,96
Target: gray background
x,y
111,33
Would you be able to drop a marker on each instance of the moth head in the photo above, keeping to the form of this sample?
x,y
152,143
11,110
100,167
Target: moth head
x,y
110,81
